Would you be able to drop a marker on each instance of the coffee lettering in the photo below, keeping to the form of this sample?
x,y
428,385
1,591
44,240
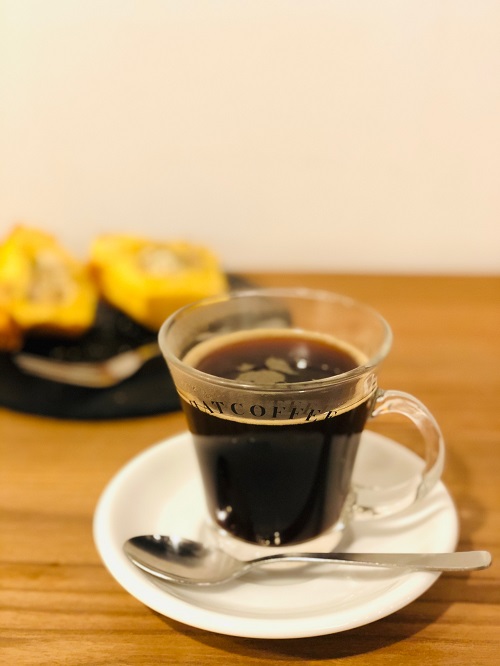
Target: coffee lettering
x,y
313,413
277,411
257,410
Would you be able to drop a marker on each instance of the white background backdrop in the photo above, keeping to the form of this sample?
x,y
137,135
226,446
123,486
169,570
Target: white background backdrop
x,y
341,135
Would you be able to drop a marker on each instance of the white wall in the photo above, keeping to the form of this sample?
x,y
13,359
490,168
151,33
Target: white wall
x,y
342,135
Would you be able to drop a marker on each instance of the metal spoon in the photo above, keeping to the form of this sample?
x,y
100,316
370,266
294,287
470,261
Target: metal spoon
x,y
179,560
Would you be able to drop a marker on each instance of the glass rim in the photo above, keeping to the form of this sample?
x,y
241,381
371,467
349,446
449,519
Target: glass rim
x,y
284,292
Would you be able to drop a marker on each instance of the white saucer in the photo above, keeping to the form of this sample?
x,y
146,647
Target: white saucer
x,y
159,491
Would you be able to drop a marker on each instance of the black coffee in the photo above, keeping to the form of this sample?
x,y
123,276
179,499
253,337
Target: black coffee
x,y
283,483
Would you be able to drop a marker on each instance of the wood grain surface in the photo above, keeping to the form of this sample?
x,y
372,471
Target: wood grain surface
x,y
59,605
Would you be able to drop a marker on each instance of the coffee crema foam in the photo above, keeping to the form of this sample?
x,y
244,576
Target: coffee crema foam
x,y
195,355
258,401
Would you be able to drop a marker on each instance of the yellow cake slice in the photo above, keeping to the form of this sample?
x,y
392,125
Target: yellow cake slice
x,y
42,286
149,279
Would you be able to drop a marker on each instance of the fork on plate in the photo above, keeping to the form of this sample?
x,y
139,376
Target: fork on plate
x,y
93,374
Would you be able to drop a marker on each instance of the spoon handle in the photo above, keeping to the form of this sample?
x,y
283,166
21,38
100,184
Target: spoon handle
x,y
458,561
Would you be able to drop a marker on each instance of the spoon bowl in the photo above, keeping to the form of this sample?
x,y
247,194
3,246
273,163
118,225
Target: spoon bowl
x,y
178,560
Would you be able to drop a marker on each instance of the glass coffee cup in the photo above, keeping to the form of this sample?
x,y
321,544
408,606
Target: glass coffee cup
x,y
277,386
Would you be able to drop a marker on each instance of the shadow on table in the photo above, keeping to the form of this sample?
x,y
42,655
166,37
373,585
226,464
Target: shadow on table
x,y
393,629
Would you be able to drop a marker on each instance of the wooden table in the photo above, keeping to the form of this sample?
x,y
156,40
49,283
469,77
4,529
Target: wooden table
x,y
59,605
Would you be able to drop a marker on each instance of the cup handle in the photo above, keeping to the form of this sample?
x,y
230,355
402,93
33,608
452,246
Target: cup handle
x,y
370,502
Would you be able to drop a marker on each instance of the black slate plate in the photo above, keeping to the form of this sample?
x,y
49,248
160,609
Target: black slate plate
x,y
149,391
